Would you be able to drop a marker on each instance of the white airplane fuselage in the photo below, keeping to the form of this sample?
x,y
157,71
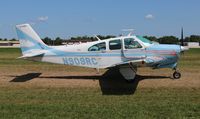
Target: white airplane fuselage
x,y
125,52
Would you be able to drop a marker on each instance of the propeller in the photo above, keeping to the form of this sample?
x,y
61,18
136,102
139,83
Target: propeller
x,y
182,47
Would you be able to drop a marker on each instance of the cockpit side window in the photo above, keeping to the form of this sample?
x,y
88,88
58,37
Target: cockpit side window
x,y
98,47
130,43
115,44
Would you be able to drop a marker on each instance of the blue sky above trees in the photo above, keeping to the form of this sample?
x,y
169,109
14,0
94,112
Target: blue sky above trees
x,y
68,18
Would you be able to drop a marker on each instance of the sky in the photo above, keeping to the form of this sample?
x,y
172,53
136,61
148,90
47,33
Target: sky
x,y
71,18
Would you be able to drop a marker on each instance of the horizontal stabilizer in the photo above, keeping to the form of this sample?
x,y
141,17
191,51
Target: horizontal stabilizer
x,y
32,54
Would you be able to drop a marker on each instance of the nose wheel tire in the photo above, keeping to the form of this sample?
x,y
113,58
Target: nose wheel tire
x,y
176,75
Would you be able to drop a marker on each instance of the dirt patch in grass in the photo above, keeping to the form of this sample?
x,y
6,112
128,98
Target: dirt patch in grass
x,y
146,78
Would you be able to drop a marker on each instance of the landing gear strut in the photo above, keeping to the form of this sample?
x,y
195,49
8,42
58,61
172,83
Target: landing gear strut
x,y
176,75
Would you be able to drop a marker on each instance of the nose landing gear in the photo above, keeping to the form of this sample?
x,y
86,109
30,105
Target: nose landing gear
x,y
176,75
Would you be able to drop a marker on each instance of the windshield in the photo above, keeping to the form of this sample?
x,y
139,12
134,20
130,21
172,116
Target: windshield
x,y
130,43
144,39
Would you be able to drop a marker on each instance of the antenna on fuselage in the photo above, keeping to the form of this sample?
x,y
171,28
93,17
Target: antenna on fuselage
x,y
129,30
97,37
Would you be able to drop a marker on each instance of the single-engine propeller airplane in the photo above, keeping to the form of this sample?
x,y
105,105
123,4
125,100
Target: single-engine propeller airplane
x,y
126,53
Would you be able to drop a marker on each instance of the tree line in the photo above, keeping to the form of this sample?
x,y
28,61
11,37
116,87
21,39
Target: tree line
x,y
173,39
161,40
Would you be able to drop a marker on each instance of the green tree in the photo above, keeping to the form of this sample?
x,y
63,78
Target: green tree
x,y
151,38
168,40
58,41
89,39
194,38
105,37
187,39
13,39
47,41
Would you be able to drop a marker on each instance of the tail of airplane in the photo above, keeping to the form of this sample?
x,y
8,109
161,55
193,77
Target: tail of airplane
x,y
30,43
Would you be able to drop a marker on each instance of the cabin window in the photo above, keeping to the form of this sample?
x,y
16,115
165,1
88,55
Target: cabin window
x,y
115,45
130,43
98,47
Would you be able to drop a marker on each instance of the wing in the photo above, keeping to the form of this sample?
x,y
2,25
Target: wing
x,y
128,69
136,62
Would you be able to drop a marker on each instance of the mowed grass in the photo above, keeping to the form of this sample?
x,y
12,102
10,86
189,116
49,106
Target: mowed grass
x,y
90,103
35,102
190,59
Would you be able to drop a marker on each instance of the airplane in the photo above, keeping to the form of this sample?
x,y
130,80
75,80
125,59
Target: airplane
x,y
125,53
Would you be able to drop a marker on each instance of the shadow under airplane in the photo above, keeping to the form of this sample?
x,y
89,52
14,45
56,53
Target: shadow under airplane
x,y
111,82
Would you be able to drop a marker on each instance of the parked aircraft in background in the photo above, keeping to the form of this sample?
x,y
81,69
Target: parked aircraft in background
x,y
126,53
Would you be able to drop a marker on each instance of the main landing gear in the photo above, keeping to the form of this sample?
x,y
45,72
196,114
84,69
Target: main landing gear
x,y
176,74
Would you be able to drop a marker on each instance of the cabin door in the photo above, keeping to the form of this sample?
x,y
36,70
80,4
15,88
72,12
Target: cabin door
x,y
132,50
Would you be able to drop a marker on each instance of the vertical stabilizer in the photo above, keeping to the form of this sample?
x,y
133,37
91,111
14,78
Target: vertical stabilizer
x,y
28,38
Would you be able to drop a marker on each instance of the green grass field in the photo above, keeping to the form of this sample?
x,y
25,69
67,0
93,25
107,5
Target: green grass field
x,y
24,100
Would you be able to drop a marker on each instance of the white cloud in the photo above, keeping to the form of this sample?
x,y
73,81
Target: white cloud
x,y
38,20
149,16
43,18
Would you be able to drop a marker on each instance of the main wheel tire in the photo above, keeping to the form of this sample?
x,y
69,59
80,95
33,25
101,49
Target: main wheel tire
x,y
176,75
